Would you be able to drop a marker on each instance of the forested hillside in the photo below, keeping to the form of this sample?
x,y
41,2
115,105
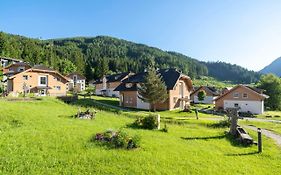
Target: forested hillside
x,y
231,72
102,54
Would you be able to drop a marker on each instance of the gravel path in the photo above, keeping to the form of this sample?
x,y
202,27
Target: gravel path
x,y
267,133
261,120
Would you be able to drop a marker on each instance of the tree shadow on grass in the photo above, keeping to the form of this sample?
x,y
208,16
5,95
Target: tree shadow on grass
x,y
204,138
243,154
87,102
231,139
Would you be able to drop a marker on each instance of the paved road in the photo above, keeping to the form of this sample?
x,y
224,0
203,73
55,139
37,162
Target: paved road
x,y
267,133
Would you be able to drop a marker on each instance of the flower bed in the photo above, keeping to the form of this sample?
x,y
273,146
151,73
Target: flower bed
x,y
117,139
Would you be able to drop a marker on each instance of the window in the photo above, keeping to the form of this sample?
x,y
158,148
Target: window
x,y
236,105
129,85
43,81
175,99
245,95
235,95
58,88
25,77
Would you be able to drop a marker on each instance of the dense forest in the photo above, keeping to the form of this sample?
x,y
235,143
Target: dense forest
x,y
100,55
231,72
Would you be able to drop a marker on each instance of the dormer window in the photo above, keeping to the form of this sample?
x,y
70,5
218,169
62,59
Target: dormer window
x,y
129,85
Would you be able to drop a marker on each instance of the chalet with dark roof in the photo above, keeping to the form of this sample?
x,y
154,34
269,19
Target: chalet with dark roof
x,y
105,86
178,86
211,94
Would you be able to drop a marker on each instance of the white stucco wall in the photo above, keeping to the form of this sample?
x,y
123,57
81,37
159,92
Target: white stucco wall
x,y
207,100
255,107
142,105
111,93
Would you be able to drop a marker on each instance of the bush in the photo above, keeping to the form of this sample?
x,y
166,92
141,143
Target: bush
x,y
117,139
149,122
246,114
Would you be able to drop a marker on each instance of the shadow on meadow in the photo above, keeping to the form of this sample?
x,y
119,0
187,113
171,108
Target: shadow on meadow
x,y
231,139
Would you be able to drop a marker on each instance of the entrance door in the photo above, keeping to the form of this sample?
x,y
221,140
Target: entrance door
x,y
42,92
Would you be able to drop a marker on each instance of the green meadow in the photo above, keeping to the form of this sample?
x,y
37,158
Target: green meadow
x,y
42,137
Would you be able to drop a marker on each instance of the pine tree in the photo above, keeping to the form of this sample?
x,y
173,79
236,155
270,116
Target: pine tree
x,y
201,95
153,90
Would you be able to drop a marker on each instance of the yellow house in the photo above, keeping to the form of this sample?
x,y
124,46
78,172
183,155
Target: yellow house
x,y
39,80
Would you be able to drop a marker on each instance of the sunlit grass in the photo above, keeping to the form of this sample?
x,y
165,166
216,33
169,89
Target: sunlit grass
x,y
41,137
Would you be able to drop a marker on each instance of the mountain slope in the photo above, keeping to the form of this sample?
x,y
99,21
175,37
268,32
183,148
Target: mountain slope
x,y
231,72
274,67
94,56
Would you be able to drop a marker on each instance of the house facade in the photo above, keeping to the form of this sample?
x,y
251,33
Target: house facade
x,y
245,98
76,81
40,80
178,86
105,86
211,94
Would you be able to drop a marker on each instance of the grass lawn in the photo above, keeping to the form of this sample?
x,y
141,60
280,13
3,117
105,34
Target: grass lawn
x,y
108,100
41,137
275,115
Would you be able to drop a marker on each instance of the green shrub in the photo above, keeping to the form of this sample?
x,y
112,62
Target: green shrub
x,y
149,122
118,139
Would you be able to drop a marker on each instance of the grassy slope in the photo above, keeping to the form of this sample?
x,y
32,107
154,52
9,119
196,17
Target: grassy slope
x,y
40,137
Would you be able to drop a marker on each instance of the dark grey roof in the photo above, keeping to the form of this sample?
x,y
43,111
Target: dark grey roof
x,y
113,78
213,90
42,67
79,76
169,76
10,59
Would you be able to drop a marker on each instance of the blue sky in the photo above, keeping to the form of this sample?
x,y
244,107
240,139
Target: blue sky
x,y
244,32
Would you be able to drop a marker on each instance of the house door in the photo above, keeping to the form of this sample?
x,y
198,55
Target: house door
x,y
42,92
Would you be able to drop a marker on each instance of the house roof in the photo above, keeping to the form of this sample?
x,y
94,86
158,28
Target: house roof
x,y
17,64
41,68
11,59
169,76
257,91
79,76
212,90
113,78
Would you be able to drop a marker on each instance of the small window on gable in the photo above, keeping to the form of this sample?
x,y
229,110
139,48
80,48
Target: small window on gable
x,y
129,85
25,77
235,95
245,95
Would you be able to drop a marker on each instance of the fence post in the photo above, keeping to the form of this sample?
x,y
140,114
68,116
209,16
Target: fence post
x,y
259,140
158,121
